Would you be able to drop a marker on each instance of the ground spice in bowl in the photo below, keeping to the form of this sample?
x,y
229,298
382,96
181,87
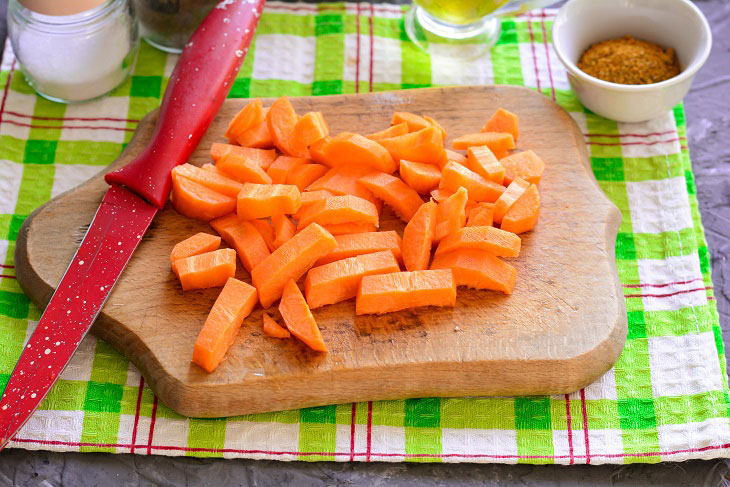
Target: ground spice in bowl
x,y
629,61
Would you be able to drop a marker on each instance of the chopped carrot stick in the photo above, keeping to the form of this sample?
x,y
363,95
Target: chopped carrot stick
x,y
311,128
334,210
299,319
454,156
316,150
303,175
423,146
272,329
516,189
454,176
199,243
497,142
309,198
339,280
420,176
349,227
394,192
284,229
196,201
345,180
523,215
211,269
440,195
282,119
482,161
263,200
415,122
258,136
354,244
281,167
383,293
355,150
234,304
493,240
450,214
210,167
393,131
249,116
503,121
244,237
526,165
262,157
290,261
481,215
433,123
215,181
418,237
266,231
242,169
477,269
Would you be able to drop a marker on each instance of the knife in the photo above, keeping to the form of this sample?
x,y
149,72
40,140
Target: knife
x,y
198,85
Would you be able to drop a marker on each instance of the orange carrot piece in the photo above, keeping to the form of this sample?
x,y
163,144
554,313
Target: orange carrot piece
x,y
450,214
481,215
258,136
423,146
233,305
354,244
290,261
415,122
392,131
273,329
490,239
263,200
526,165
497,142
303,175
482,161
454,176
249,116
211,269
284,229
350,227
242,169
194,200
477,269
516,189
420,176
316,150
523,215
452,155
345,180
440,195
433,123
282,119
199,243
309,198
281,167
266,231
262,157
418,237
503,121
244,237
394,192
311,128
339,280
215,181
355,150
299,319
334,210
210,167
383,293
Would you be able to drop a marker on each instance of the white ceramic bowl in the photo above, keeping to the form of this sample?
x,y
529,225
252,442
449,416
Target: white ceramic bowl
x,y
669,23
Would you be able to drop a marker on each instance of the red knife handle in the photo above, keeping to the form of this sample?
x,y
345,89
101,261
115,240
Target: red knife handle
x,y
198,85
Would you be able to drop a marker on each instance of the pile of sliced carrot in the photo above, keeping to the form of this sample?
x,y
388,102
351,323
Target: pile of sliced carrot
x,y
292,201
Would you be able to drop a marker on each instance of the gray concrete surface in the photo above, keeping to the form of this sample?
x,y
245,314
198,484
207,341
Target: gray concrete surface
x,y
708,121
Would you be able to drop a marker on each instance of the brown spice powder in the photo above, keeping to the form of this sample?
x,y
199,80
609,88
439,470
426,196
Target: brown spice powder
x,y
629,61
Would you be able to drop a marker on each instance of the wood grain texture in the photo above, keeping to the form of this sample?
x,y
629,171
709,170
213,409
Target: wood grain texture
x,y
563,327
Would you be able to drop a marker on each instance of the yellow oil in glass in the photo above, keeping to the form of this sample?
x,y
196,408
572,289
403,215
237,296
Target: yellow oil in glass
x,y
460,12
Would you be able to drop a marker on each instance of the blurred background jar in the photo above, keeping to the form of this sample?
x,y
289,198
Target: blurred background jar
x,y
168,24
73,50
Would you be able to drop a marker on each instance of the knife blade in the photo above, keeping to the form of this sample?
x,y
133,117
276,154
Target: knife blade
x,y
198,85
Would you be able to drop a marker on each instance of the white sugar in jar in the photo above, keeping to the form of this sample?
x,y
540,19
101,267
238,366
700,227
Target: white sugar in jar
x,y
73,50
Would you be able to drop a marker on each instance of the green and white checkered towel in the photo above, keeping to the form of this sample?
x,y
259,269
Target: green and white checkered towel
x,y
666,398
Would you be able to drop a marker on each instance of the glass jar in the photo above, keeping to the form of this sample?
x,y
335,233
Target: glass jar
x,y
168,24
75,57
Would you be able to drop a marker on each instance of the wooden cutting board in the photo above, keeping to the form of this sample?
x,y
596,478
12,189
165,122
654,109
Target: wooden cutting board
x,y
563,327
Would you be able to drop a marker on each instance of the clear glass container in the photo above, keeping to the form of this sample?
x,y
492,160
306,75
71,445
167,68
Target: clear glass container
x,y
168,24
77,57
